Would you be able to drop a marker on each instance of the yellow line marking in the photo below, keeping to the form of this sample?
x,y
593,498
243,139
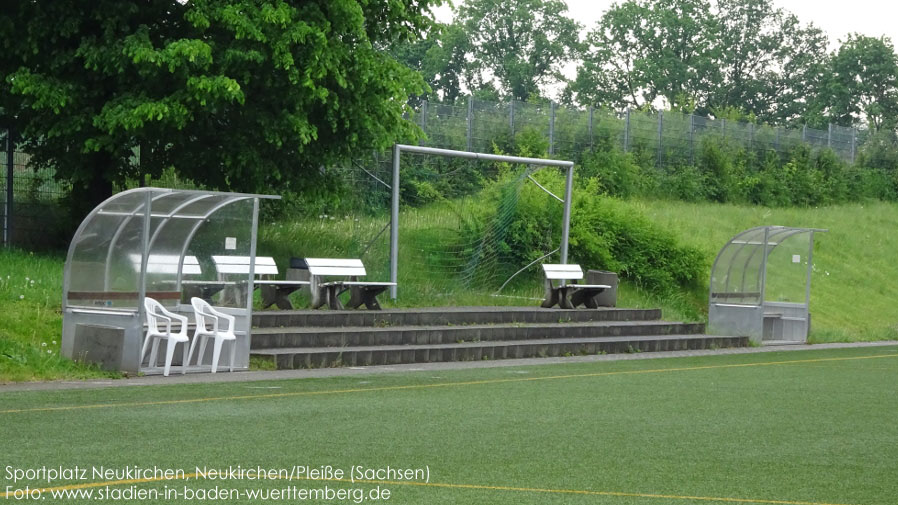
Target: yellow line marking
x,y
479,487
437,385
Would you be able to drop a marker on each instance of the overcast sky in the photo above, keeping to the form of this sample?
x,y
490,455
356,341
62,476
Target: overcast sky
x,y
837,18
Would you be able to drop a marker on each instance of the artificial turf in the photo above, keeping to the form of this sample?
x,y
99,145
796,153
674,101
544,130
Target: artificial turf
x,y
799,427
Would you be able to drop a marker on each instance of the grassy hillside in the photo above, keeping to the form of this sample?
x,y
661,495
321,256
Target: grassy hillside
x,y
853,294
853,288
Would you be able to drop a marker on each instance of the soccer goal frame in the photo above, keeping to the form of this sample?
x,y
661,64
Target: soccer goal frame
x,y
398,149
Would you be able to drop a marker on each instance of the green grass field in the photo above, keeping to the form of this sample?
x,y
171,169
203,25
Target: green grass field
x,y
852,296
810,427
852,293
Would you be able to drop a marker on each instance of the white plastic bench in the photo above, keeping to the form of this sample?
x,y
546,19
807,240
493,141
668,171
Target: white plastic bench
x,y
569,295
360,292
167,264
274,292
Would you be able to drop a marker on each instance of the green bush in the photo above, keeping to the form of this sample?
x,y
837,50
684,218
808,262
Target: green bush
x,y
605,234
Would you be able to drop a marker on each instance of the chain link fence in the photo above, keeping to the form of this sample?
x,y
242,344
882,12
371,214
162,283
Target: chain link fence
x,y
29,198
670,138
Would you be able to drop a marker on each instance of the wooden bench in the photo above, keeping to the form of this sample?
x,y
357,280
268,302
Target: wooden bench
x,y
274,292
571,295
360,292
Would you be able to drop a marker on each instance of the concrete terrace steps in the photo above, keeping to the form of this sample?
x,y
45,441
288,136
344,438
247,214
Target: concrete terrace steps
x,y
269,338
324,338
445,316
319,357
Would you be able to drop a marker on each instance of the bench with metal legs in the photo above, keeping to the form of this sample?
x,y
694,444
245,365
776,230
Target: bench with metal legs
x,y
327,292
569,295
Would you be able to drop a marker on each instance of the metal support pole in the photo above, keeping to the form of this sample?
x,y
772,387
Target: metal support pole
x,y
807,287
470,123
692,139
551,128
723,127
424,116
511,118
829,136
253,238
853,142
660,135
751,136
394,223
591,113
566,219
144,259
10,185
804,133
764,265
627,133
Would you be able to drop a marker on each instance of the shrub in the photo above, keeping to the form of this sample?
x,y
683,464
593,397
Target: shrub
x,y
605,234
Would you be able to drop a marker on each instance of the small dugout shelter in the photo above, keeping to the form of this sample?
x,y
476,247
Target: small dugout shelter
x,y
761,285
158,243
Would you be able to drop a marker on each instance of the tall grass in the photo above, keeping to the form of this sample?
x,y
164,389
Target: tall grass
x,y
853,288
31,321
853,292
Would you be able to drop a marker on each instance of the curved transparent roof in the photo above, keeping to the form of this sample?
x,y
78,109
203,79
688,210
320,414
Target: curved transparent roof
x,y
739,272
154,237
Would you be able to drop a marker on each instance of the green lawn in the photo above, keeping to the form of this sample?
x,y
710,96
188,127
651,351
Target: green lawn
x,y
852,290
793,427
853,294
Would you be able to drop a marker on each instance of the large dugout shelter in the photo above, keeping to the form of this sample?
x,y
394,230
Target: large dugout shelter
x,y
159,243
761,285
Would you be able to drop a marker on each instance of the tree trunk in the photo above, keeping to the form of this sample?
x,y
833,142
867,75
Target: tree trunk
x,y
92,189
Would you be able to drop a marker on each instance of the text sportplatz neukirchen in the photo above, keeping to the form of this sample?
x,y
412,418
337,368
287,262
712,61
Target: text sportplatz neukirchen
x,y
52,474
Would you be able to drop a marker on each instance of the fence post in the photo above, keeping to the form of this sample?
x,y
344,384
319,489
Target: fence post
x,y
470,122
591,146
853,142
424,116
511,118
804,133
692,139
660,131
829,136
723,127
551,127
627,133
751,136
10,185
776,141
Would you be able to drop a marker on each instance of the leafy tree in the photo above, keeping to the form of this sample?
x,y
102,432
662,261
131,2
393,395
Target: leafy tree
x,y
442,59
770,65
643,51
240,94
522,43
863,83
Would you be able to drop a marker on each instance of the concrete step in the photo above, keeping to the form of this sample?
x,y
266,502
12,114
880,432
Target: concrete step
x,y
444,316
272,338
318,357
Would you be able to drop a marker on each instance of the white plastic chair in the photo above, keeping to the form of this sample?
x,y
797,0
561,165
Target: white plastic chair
x,y
156,312
205,315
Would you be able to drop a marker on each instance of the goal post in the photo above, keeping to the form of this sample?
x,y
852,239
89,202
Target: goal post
x,y
398,149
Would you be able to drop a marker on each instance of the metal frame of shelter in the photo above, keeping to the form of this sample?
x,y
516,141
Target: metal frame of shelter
x,y
134,245
737,303
398,149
